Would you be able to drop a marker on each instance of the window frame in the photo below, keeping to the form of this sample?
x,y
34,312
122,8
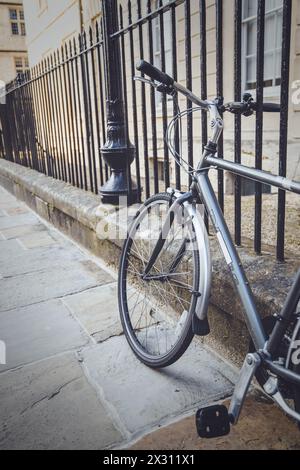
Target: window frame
x,y
12,18
17,21
269,91
25,64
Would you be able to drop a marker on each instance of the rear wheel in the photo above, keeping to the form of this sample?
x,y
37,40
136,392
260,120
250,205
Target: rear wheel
x,y
156,311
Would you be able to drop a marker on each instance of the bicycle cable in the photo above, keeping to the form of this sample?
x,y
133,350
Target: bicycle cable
x,y
171,136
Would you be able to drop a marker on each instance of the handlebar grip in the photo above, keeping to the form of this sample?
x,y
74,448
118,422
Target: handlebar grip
x,y
154,73
269,107
237,106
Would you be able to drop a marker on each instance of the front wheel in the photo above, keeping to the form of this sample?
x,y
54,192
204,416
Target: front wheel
x,y
156,310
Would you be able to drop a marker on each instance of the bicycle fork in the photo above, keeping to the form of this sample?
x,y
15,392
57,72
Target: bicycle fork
x,y
165,230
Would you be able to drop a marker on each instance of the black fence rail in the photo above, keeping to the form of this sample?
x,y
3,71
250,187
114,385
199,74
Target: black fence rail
x,y
2,152
83,98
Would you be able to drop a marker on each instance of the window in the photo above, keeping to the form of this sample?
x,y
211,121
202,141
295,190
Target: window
x,y
16,16
167,43
15,29
273,35
13,14
21,64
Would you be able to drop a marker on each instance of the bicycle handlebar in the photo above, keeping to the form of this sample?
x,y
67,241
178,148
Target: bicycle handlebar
x,y
246,107
270,108
155,73
242,107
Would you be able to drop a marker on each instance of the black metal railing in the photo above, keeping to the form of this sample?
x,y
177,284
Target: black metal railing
x,y
55,114
56,120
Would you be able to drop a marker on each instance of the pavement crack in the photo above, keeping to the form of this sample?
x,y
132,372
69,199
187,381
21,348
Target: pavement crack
x,y
57,392
49,397
80,291
12,276
116,335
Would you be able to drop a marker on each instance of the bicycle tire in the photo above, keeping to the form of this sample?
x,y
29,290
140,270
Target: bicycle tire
x,y
186,336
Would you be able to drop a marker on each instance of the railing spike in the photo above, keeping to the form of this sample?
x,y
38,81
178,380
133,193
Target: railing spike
x,y
91,36
97,30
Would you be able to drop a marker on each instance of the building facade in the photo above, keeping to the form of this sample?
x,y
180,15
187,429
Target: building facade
x,y
13,49
52,23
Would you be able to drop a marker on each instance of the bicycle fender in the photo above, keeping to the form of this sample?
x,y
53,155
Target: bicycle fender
x,y
204,287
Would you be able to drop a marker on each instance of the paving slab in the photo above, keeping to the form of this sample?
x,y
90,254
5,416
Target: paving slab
x,y
17,220
7,201
143,397
20,209
39,331
53,283
15,259
9,249
98,311
23,230
51,405
37,240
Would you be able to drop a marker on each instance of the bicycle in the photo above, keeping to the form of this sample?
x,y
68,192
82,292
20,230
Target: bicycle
x,y
165,273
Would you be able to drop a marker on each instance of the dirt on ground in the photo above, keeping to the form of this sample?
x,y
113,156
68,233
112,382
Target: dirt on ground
x,y
262,426
269,219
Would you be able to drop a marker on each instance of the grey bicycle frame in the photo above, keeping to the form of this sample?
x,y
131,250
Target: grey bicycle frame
x,y
232,259
204,187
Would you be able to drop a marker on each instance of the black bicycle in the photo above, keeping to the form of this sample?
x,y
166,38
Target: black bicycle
x,y
165,274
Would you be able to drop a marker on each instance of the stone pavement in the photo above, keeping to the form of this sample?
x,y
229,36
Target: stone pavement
x,y
70,380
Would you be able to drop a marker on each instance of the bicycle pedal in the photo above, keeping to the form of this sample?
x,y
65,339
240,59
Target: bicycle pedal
x,y
213,421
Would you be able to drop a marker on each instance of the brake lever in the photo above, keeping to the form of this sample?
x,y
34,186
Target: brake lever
x,y
158,86
145,80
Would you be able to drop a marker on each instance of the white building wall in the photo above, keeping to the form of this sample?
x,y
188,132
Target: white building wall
x,y
49,27
54,24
